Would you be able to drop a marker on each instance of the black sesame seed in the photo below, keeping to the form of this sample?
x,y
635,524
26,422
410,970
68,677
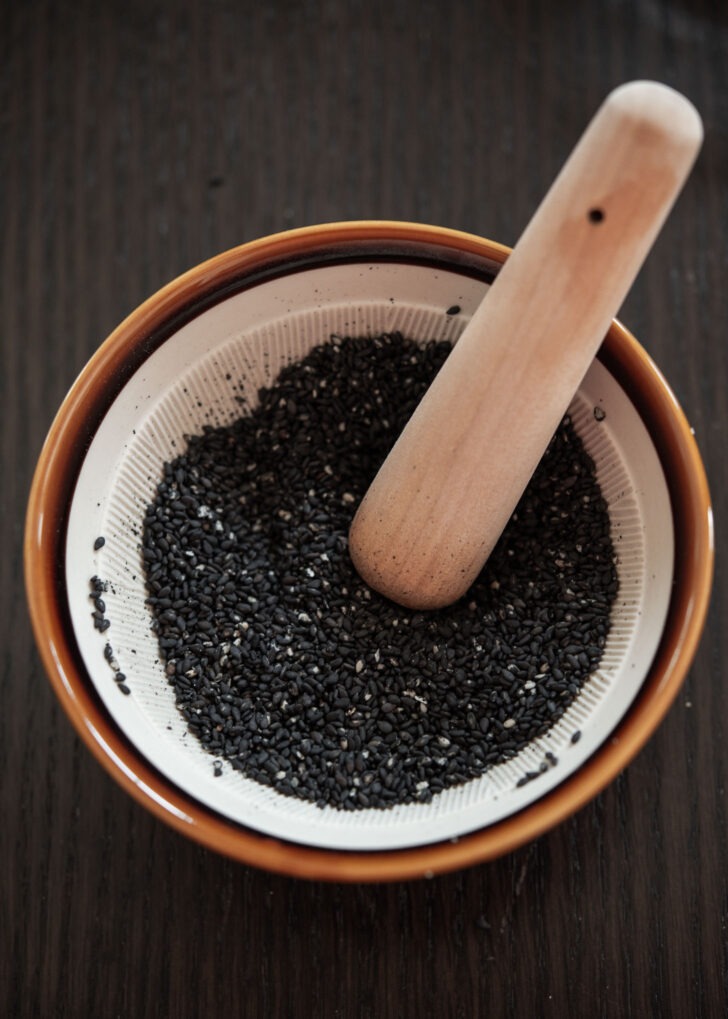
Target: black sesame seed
x,y
282,660
99,543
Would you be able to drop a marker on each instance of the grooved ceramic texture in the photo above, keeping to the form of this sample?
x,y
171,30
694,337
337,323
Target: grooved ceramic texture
x,y
210,372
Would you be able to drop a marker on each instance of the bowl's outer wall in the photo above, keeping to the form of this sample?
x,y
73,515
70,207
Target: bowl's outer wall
x,y
74,426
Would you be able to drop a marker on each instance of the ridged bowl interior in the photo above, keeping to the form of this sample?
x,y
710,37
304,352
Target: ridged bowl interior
x,y
198,377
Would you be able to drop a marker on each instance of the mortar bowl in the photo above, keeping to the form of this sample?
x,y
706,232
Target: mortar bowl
x,y
172,368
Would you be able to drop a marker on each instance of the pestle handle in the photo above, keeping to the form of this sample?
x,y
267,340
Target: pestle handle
x,y
443,496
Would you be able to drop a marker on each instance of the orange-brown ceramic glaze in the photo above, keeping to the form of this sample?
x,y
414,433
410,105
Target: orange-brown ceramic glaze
x,y
44,549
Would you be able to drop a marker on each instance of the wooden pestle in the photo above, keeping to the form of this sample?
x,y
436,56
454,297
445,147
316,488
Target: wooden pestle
x,y
443,496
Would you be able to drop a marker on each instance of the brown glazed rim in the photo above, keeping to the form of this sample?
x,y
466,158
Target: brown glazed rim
x,y
45,531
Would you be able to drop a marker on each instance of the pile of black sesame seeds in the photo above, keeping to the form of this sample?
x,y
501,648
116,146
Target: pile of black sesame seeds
x,y
287,666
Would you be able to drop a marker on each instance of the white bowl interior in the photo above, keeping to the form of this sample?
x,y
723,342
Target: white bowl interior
x,y
188,383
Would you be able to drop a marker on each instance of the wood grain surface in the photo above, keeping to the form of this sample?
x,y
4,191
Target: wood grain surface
x,y
138,138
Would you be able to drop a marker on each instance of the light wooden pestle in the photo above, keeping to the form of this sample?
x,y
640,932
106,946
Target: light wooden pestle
x,y
443,496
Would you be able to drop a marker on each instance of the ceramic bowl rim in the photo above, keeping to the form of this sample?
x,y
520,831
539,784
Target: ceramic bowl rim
x,y
70,433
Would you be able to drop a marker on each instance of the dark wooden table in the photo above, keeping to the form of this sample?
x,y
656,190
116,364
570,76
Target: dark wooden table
x,y
139,138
